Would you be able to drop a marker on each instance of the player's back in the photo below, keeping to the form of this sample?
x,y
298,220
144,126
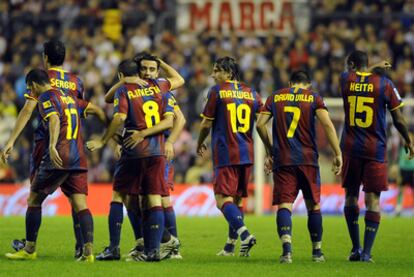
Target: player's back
x,y
70,142
293,128
366,97
66,81
144,107
233,106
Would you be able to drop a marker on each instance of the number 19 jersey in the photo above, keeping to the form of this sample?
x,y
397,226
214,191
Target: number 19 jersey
x,y
144,107
366,98
293,127
232,106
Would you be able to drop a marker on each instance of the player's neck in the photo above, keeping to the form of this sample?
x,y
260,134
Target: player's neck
x,y
300,86
49,66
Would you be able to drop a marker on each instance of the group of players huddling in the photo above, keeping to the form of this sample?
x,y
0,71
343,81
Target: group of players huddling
x,y
146,123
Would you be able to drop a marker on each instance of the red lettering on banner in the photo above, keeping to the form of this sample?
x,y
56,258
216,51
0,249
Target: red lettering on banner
x,y
286,16
197,15
247,16
225,17
265,7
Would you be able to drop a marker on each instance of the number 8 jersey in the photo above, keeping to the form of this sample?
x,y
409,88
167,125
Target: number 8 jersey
x,y
293,128
144,107
232,106
366,98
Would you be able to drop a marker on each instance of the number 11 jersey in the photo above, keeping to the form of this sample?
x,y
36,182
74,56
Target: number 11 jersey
x,y
232,106
366,98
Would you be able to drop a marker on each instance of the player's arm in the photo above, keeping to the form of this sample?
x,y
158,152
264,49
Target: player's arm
x,y
205,127
110,95
261,127
178,126
382,64
97,111
138,136
54,129
176,80
22,119
323,117
401,125
116,123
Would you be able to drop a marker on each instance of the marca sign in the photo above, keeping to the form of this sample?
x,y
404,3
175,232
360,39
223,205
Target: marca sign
x,y
257,16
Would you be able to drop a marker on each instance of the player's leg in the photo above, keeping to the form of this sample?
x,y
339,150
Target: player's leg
x,y
135,218
401,180
284,230
169,243
115,220
351,180
78,235
228,249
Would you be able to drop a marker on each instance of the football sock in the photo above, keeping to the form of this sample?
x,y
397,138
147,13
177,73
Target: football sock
x,y
315,230
233,233
86,223
135,218
372,220
351,216
33,221
115,219
77,229
235,219
170,221
153,228
284,229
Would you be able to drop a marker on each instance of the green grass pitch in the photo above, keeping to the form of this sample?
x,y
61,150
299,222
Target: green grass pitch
x,y
202,238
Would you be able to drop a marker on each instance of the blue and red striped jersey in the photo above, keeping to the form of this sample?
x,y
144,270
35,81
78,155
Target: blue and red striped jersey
x,y
70,142
232,106
293,128
144,107
366,98
65,81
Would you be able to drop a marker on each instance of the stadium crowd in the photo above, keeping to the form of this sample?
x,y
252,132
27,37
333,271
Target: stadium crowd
x,y
266,62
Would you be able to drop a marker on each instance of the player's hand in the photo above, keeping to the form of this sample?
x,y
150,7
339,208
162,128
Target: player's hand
x,y
136,80
201,149
337,165
94,144
384,64
118,151
117,138
133,140
268,165
5,153
409,149
169,151
55,158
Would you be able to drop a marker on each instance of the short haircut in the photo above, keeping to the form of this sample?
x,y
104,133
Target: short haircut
x,y
229,65
37,76
300,77
358,58
128,68
138,58
55,51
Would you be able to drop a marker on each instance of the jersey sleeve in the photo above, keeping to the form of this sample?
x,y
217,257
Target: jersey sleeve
x,y
82,107
169,107
319,103
121,101
164,85
267,107
393,98
210,107
258,105
47,105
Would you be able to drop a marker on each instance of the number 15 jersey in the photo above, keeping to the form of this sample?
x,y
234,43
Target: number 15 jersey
x,y
293,127
232,106
366,98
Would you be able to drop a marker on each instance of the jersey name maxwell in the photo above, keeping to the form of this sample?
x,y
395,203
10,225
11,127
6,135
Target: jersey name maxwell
x,y
56,83
140,92
361,87
239,94
293,97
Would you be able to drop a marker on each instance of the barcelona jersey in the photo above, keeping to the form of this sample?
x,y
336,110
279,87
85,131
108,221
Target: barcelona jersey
x,y
366,98
144,107
232,106
65,81
293,128
70,143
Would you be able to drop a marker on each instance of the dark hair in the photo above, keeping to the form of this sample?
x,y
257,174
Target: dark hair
x,y
55,51
229,65
380,71
138,58
300,77
37,76
358,58
128,68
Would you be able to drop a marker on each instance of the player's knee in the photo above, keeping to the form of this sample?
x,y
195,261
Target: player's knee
x,y
117,197
287,206
221,199
166,202
153,200
35,200
351,201
312,206
372,201
78,202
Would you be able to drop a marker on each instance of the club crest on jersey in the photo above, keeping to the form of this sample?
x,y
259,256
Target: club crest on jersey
x,y
47,104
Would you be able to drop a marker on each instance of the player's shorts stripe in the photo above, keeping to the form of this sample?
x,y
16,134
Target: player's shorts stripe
x,y
265,113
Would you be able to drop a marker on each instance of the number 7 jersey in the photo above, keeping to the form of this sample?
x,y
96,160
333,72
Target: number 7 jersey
x,y
232,106
293,127
366,98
